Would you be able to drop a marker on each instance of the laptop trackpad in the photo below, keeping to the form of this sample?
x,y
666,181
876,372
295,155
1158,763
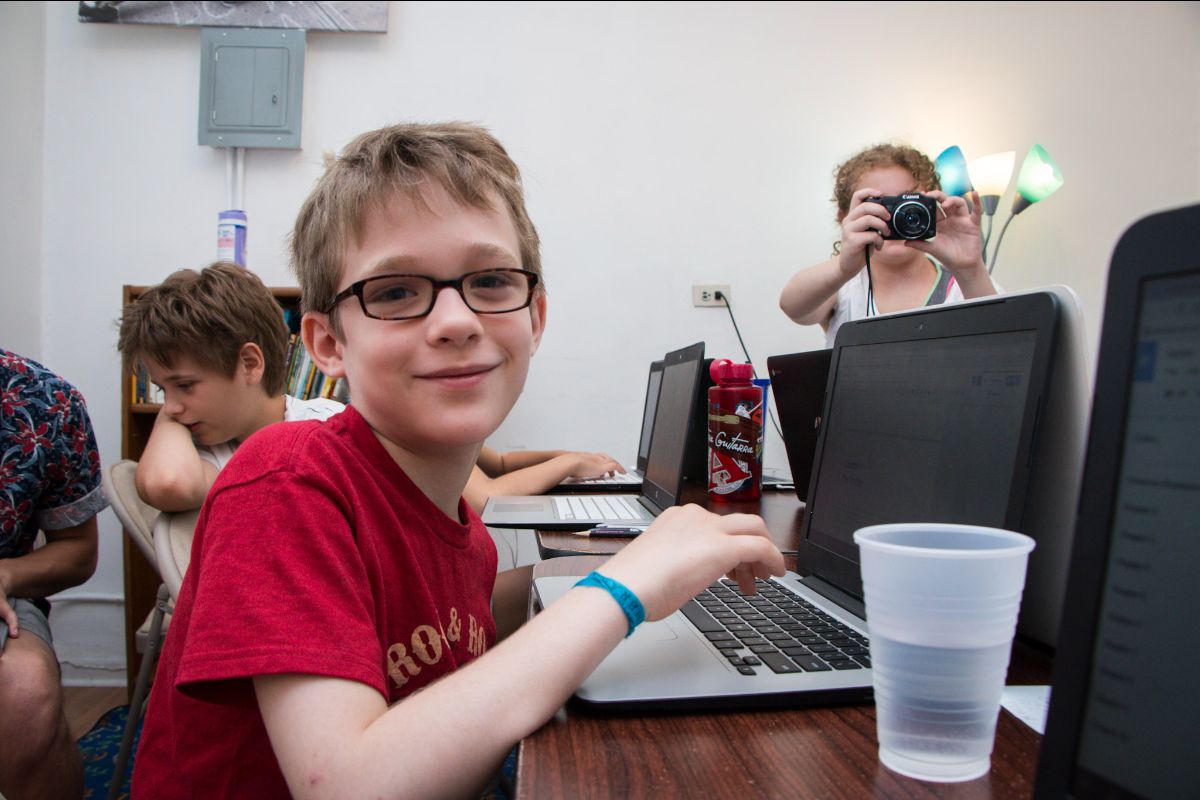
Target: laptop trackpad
x,y
653,632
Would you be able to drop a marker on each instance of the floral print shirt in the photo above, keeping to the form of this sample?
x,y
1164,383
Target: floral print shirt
x,y
49,464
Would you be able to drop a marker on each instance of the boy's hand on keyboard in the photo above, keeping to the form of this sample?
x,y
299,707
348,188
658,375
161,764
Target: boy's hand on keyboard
x,y
591,465
686,549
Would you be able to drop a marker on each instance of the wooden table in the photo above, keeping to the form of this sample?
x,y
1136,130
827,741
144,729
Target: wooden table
x,y
815,752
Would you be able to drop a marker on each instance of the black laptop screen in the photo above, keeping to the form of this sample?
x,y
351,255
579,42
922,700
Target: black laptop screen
x,y
1139,720
652,387
672,419
921,431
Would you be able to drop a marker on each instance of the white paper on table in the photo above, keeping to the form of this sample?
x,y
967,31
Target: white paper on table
x,y
1028,704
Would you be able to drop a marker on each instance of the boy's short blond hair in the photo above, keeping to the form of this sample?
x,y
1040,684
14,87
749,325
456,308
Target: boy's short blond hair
x,y
463,159
207,316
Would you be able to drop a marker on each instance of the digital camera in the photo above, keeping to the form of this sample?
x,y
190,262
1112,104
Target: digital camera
x,y
914,216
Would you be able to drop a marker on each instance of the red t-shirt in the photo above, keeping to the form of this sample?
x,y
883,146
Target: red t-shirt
x,y
314,554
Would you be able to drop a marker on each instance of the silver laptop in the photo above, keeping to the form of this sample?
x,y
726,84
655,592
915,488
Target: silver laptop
x,y
630,480
663,480
930,415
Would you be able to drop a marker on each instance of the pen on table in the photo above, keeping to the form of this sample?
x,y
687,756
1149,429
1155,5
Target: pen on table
x,y
609,532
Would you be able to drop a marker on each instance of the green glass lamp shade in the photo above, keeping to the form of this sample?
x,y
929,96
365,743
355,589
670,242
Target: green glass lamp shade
x,y
951,168
990,176
1039,178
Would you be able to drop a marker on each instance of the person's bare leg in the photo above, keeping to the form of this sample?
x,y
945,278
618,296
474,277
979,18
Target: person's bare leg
x,y
38,758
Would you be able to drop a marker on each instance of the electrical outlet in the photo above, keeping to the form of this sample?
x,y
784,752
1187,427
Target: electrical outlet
x,y
705,294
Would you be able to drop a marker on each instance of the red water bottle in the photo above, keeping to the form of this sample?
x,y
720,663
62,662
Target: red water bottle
x,y
735,433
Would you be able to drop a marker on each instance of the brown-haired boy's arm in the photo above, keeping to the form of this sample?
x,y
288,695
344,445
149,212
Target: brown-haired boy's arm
x,y
171,475
449,738
538,478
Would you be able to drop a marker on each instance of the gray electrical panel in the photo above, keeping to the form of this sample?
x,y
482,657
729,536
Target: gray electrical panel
x,y
251,84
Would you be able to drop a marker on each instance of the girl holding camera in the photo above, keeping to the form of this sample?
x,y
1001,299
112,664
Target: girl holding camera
x,y
876,270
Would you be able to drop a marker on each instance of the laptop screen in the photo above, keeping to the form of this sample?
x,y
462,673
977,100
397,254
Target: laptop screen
x,y
930,416
672,419
922,431
652,387
1139,715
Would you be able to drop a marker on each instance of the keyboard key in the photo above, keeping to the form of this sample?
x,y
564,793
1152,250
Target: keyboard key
x,y
700,618
812,664
747,670
845,665
779,663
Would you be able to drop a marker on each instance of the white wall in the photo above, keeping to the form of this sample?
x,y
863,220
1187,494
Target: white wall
x,y
22,81
662,145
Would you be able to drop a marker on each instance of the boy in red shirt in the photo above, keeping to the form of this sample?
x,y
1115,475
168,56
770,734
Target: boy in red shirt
x,y
336,568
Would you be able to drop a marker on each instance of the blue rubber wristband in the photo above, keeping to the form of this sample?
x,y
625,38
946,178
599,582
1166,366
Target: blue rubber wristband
x,y
635,612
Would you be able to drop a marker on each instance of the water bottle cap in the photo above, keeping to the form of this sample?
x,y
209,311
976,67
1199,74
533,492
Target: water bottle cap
x,y
725,371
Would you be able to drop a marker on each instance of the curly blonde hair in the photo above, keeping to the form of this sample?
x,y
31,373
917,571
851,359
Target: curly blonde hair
x,y
849,172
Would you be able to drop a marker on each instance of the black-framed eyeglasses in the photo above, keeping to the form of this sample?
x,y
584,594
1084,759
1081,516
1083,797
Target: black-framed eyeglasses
x,y
485,291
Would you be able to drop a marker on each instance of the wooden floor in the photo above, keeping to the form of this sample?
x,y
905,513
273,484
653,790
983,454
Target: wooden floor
x,y
86,704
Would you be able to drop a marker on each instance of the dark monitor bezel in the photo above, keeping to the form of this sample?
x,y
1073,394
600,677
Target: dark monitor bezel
x,y
646,435
1037,311
1157,247
666,496
795,372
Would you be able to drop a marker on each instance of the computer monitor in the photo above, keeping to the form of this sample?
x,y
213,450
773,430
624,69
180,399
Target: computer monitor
x,y
1124,706
971,413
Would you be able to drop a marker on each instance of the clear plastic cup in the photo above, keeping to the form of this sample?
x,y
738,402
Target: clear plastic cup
x,y
942,603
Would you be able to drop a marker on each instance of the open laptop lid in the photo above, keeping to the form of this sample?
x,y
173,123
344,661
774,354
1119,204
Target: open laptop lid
x,y
798,381
662,480
1124,707
929,417
649,408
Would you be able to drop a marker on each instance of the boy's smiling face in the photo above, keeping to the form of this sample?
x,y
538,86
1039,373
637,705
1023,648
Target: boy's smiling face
x,y
446,380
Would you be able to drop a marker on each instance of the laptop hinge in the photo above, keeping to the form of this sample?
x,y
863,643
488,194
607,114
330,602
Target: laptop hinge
x,y
826,589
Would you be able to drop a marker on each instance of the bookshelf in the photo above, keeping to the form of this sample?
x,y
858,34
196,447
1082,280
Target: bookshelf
x,y
137,420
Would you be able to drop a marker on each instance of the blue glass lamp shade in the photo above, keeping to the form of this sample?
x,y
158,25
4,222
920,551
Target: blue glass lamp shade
x,y
951,168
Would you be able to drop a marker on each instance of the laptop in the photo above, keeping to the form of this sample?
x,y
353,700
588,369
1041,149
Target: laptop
x,y
798,382
1122,718
900,440
661,484
632,479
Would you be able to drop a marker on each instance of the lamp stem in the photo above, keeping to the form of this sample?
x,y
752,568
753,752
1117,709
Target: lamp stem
x,y
999,241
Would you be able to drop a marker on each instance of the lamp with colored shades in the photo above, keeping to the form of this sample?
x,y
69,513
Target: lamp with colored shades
x,y
1038,179
989,176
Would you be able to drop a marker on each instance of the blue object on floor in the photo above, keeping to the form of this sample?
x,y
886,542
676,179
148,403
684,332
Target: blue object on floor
x,y
99,748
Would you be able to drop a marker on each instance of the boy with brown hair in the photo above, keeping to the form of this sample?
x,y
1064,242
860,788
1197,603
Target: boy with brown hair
x,y
345,648
216,343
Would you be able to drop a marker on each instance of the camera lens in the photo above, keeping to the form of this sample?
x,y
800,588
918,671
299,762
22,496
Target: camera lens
x,y
911,220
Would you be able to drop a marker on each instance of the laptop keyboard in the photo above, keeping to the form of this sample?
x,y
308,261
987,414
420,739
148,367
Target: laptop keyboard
x,y
616,479
598,507
775,628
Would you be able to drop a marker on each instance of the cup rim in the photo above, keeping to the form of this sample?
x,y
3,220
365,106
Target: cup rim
x,y
1018,543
